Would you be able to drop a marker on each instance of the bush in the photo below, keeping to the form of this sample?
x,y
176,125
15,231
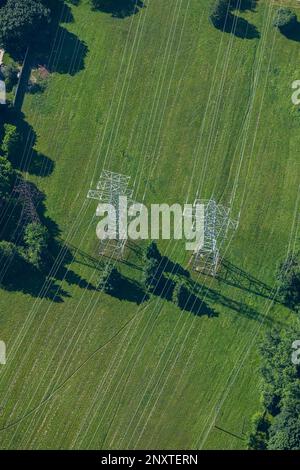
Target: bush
x,y
153,252
11,141
285,431
113,281
152,268
288,276
36,241
151,275
285,19
259,434
180,294
10,73
37,85
7,178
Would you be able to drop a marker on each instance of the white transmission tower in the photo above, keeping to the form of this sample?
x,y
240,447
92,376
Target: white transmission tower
x,y
216,225
111,186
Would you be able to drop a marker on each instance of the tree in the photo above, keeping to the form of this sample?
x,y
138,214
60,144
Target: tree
x,y
10,259
10,73
278,428
152,267
285,431
258,437
7,251
151,274
11,141
152,252
180,294
7,178
220,12
36,239
288,276
110,281
277,368
285,19
20,21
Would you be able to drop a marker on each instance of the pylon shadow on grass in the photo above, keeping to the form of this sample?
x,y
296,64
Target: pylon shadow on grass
x,y
232,275
239,307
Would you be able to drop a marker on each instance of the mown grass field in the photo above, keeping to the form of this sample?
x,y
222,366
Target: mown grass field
x,y
185,110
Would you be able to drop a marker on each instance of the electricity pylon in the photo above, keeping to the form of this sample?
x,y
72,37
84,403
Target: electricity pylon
x,y
111,186
28,196
216,225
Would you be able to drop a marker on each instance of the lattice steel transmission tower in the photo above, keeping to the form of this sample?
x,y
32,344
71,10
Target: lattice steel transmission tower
x,y
111,186
216,225
29,196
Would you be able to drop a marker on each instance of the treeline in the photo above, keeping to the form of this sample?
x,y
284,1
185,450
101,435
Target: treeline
x,y
22,22
28,22
22,240
277,425
160,277
223,18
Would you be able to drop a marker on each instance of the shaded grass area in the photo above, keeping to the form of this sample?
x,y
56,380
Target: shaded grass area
x,y
118,9
181,107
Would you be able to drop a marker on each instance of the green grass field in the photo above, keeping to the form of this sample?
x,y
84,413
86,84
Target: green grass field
x,y
185,110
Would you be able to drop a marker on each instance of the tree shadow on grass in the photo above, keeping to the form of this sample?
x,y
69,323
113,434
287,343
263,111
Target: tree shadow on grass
x,y
194,293
55,48
128,290
27,158
244,5
31,281
16,274
40,164
235,24
163,287
168,266
118,8
239,27
198,307
293,34
59,49
68,54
